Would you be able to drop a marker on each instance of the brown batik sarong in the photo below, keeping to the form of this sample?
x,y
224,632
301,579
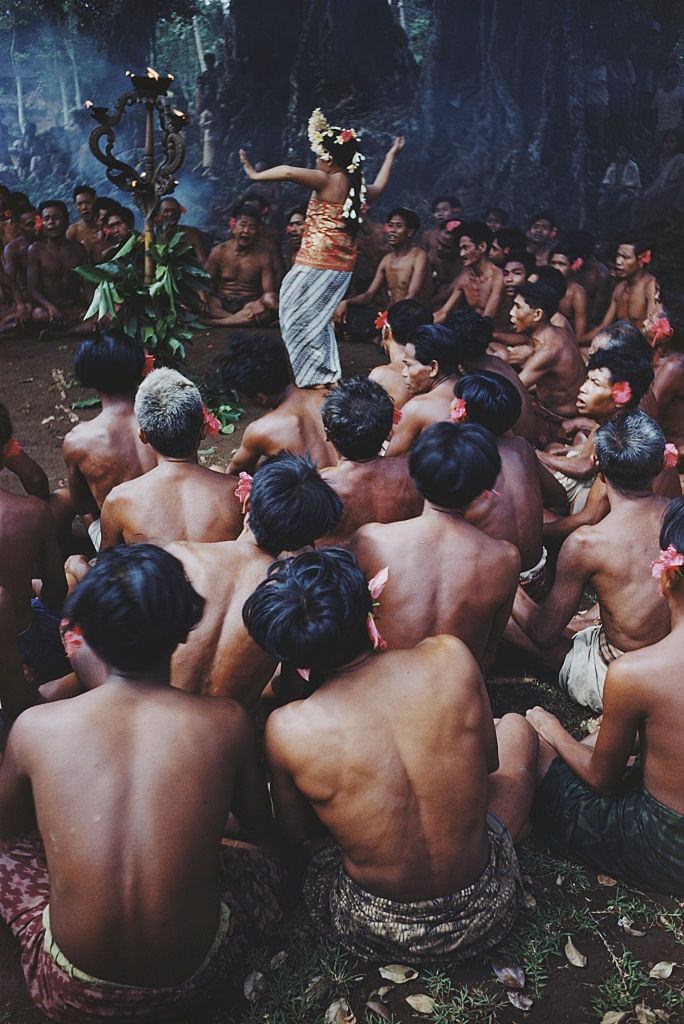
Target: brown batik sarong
x,y
454,927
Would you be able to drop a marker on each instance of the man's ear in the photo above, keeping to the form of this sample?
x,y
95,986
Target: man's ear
x,y
141,435
434,367
537,315
260,398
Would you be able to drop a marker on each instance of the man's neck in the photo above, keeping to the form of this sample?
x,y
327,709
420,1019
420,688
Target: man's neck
x,y
618,499
478,267
441,380
395,351
171,460
676,603
636,277
158,676
401,248
116,403
435,512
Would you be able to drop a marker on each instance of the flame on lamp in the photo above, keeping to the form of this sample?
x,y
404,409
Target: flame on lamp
x,y
151,73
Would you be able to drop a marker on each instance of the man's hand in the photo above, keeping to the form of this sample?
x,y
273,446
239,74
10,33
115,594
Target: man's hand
x,y
544,723
439,317
397,146
244,160
52,311
23,312
340,314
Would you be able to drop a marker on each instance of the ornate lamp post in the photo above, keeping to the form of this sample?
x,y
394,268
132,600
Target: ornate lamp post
x,y
149,183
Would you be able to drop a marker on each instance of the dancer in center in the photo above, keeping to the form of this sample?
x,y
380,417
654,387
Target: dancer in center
x,y
322,270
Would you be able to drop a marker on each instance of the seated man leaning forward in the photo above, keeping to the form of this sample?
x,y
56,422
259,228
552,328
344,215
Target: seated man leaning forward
x,y
445,576
612,558
257,367
178,499
555,369
105,451
242,277
430,372
289,508
436,878
399,323
480,283
358,417
628,824
152,935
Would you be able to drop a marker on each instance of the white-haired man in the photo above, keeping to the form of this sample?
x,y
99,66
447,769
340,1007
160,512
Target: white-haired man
x,y
178,500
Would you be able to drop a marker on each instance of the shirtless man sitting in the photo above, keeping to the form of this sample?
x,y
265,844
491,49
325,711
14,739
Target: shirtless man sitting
x,y
15,254
289,508
30,549
117,228
443,209
294,229
85,230
430,370
480,283
445,576
517,267
358,417
133,758
57,292
513,510
401,320
403,271
626,823
555,369
103,452
666,335
242,277
444,262
170,213
574,305
634,296
178,499
438,878
541,235
613,558
257,366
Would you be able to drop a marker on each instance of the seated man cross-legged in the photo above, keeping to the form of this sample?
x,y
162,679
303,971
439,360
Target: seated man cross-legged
x,y
404,740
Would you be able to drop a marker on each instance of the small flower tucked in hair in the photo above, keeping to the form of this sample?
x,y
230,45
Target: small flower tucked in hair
x,y
346,135
304,673
243,489
667,561
182,209
645,257
621,392
12,448
149,364
373,632
458,410
72,637
38,222
381,321
671,456
662,329
396,417
375,589
232,223
453,224
212,425
378,583
577,264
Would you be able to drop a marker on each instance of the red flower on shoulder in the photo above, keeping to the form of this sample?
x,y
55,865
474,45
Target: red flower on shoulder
x,y
396,417
577,264
244,488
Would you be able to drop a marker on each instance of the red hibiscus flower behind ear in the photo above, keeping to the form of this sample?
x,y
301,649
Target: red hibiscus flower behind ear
x,y
671,457
380,321
621,392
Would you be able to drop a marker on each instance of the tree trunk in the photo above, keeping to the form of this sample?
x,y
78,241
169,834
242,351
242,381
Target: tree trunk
x,y
69,47
198,43
21,116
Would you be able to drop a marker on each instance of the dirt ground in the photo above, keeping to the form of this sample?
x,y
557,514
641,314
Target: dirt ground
x,y
306,977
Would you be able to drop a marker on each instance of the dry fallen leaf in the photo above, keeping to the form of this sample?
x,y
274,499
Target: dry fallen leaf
x,y
662,1015
398,973
644,1014
422,1004
254,986
316,987
606,880
529,899
509,974
614,1017
574,956
520,1000
278,959
339,1012
662,970
375,1006
626,923
382,992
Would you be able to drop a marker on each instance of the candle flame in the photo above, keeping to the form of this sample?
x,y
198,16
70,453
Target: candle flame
x,y
134,183
89,104
178,113
130,74
151,73
170,78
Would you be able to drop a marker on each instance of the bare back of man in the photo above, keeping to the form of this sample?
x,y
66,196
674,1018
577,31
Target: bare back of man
x,y
420,413
445,576
118,915
295,425
431,718
30,548
219,657
379,491
176,501
555,370
390,378
104,452
668,390
527,424
513,511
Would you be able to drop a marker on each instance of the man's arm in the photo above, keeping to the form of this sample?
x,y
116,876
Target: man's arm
x,y
269,291
34,283
537,366
250,451
579,312
668,383
371,291
213,267
492,303
419,276
406,432
50,563
602,767
553,492
581,466
295,817
16,798
33,478
503,613
544,623
596,508
110,522
251,803
81,496
609,318
454,298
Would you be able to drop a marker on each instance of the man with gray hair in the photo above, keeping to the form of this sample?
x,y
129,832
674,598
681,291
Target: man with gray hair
x,y
613,558
178,500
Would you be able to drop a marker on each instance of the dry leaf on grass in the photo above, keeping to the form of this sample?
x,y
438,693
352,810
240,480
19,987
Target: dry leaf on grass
x,y
627,925
614,1017
608,881
509,974
529,899
573,955
422,1004
278,959
339,1012
316,987
520,1000
644,1014
254,986
662,1015
382,992
662,970
398,973
375,1006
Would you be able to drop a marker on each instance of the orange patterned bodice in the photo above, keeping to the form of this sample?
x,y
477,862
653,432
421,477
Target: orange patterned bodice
x,y
326,243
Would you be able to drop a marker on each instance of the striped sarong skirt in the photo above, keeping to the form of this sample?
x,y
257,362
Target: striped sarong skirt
x,y
308,299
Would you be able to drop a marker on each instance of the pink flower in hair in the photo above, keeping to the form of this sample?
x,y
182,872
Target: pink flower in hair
x,y
304,673
72,637
244,488
381,321
662,329
621,392
577,264
645,257
149,364
397,417
378,583
347,135
212,425
378,643
12,447
232,223
458,411
671,456
667,561
451,225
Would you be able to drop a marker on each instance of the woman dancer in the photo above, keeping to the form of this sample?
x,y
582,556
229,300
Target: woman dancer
x,y
322,270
